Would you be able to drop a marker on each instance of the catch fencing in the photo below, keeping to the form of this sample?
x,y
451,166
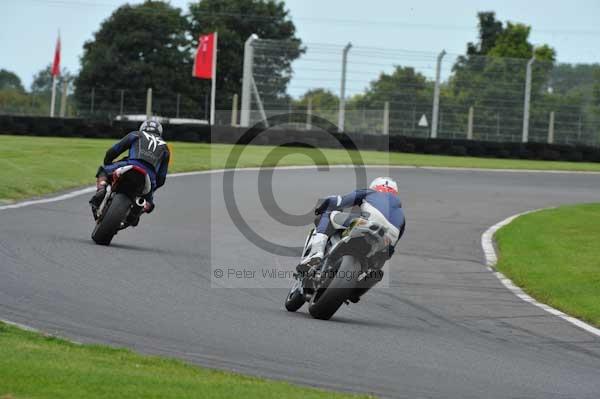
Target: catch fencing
x,y
424,94
108,104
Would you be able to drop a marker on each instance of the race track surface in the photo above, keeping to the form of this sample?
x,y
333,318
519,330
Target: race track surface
x,y
445,328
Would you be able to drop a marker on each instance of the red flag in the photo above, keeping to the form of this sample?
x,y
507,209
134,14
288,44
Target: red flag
x,y
203,63
56,63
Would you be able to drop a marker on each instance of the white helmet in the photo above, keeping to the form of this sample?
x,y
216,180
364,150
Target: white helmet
x,y
384,185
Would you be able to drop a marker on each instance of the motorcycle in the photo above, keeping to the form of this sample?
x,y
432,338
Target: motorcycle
x,y
122,203
353,262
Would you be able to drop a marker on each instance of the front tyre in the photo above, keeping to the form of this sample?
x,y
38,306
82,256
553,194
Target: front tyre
x,y
295,299
116,213
325,302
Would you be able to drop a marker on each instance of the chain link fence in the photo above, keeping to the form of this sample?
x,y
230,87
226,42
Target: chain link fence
x,y
393,92
106,104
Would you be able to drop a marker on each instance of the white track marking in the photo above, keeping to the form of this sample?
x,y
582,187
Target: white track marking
x,y
62,197
21,326
491,259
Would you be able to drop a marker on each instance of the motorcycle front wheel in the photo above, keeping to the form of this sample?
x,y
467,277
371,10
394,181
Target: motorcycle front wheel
x,y
295,299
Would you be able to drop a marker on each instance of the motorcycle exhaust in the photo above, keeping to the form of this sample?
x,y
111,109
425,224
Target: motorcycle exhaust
x,y
368,281
103,203
140,202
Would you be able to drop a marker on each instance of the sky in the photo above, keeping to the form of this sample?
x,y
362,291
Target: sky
x,y
29,28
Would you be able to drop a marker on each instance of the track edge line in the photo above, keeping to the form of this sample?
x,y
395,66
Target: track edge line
x,y
491,259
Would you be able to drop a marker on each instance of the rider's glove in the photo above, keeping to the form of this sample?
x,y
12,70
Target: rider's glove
x,y
148,207
390,251
322,205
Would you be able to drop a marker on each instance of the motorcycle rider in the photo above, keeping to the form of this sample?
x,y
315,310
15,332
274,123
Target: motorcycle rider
x,y
380,201
147,150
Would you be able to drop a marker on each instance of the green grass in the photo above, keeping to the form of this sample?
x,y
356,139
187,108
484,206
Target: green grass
x,y
554,255
34,366
32,166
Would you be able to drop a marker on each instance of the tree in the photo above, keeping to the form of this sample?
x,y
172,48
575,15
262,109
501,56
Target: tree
x,y
324,103
568,78
489,30
235,21
491,77
138,47
404,86
13,98
321,100
42,81
10,80
408,92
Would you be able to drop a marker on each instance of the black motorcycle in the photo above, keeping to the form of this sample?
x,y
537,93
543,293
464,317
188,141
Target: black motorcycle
x,y
122,203
354,257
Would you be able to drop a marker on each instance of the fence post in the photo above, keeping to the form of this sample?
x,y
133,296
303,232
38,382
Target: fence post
x,y
497,125
206,107
63,99
92,102
527,101
342,110
149,103
177,106
436,95
551,128
234,110
309,113
386,118
247,80
53,97
470,124
122,103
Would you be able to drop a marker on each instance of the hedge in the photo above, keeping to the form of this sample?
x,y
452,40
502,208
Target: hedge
x,y
70,127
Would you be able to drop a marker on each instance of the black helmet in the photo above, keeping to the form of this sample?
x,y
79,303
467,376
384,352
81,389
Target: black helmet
x,y
151,126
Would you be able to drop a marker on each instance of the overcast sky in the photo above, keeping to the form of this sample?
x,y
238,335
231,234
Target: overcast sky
x,y
29,27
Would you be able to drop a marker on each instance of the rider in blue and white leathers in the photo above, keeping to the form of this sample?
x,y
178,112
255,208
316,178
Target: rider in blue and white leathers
x,y
380,201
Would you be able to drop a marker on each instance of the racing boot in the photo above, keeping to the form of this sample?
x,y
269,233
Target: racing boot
x,y
317,251
136,212
97,198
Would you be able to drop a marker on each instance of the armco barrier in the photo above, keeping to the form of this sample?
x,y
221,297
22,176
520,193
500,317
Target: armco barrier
x,y
43,126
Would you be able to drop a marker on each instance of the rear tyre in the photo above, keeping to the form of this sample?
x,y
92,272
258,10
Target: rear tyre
x,y
324,303
109,225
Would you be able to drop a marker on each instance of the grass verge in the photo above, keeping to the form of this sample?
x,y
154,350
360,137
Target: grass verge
x,y
36,366
555,257
31,166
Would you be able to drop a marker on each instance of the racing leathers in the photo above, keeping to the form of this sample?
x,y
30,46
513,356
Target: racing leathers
x,y
382,207
147,151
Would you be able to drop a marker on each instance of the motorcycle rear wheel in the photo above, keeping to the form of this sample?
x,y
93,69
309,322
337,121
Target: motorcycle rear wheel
x,y
325,302
116,213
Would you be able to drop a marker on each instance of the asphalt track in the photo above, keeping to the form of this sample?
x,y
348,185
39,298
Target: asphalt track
x,y
445,327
